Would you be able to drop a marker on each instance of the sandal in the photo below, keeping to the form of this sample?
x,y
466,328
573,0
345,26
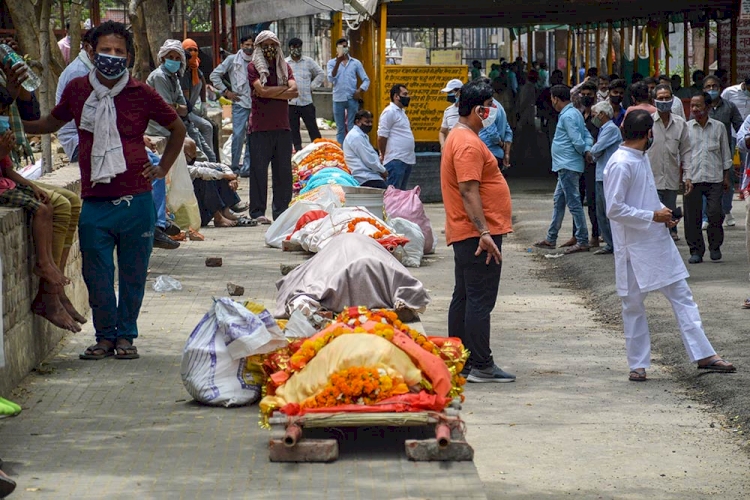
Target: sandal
x,y
576,248
714,367
247,221
7,485
569,243
637,376
746,304
126,350
195,236
544,244
100,350
240,207
263,220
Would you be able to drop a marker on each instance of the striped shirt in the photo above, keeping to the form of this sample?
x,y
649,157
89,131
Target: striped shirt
x,y
308,75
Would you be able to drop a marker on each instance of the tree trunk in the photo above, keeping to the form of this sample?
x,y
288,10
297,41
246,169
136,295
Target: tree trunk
x,y
44,89
75,29
158,25
142,64
699,52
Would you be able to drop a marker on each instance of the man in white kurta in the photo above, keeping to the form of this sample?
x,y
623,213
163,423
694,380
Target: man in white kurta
x,y
646,258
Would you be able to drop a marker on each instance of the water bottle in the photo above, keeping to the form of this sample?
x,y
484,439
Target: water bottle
x,y
9,56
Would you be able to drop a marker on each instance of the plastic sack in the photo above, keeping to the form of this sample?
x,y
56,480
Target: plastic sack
x,y
181,199
214,369
414,250
329,176
285,223
166,283
226,152
407,205
32,171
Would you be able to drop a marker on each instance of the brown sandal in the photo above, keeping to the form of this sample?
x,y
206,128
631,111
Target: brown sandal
x,y
100,350
125,350
637,376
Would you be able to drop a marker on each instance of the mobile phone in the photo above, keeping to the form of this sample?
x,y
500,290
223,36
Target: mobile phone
x,y
677,214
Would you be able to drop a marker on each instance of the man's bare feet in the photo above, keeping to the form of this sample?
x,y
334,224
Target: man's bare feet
x,y
49,307
227,214
51,274
71,310
221,221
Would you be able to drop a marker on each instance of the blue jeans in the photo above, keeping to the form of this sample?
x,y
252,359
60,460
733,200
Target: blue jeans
x,y
128,227
159,187
398,173
240,116
601,215
567,193
343,114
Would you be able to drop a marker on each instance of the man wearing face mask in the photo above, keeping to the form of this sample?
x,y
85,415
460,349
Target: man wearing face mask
x,y
607,142
707,176
236,67
570,146
395,138
616,94
477,215
112,111
81,66
739,95
671,152
450,115
361,157
343,72
273,86
309,76
646,259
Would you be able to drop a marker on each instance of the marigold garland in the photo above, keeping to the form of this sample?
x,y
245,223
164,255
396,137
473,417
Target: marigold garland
x,y
382,231
358,385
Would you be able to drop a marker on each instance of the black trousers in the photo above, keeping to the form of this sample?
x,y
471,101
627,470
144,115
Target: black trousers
x,y
213,196
375,183
307,113
474,297
274,147
693,208
587,188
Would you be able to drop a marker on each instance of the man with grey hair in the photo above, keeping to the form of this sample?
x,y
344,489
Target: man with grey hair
x,y
607,142
670,153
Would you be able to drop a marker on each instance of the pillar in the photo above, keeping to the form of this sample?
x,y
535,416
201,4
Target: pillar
x,y
610,47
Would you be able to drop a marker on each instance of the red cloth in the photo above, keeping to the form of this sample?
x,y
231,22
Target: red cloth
x,y
268,114
421,401
5,183
307,218
136,105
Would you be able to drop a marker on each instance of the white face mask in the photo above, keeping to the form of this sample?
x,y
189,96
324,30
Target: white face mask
x,y
490,116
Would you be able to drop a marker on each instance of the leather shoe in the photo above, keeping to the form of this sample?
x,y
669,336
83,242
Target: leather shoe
x,y
172,229
161,240
695,259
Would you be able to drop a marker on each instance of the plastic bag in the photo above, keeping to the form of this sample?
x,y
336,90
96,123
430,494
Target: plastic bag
x,y
407,205
166,283
414,250
285,223
181,199
226,152
32,171
214,369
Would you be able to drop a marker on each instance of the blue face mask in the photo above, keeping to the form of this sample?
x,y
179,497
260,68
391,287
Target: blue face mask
x,y
713,93
110,67
4,124
172,66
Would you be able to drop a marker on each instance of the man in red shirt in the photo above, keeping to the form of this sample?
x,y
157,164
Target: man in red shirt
x,y
112,111
272,85
477,215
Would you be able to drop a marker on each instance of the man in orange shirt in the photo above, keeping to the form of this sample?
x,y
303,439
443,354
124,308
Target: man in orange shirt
x,y
478,214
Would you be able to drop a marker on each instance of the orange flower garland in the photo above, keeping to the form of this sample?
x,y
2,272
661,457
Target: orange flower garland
x,y
358,385
356,316
382,231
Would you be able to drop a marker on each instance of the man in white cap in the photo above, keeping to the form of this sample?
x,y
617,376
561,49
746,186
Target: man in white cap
x,y
450,115
272,85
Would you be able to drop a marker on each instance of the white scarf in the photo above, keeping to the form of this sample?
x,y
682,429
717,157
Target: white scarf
x,y
239,71
99,117
85,59
261,65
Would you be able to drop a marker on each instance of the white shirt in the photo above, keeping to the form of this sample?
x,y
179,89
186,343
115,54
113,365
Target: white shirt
x,y
677,108
394,125
739,98
632,199
361,158
671,144
711,155
450,117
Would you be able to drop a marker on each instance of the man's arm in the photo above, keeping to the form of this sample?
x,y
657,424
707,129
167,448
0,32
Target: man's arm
x,y
220,71
576,138
726,155
333,70
45,125
473,205
443,136
363,76
736,118
318,76
174,145
276,92
384,131
686,152
382,145
743,136
364,150
616,184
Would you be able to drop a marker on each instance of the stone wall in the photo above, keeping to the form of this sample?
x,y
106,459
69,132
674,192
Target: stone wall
x,y
29,339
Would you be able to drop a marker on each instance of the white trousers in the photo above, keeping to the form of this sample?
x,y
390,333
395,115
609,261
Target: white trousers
x,y
637,335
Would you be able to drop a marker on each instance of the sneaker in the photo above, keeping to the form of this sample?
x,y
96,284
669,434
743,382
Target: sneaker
x,y
704,226
715,254
172,229
607,250
695,259
465,372
161,240
730,220
493,374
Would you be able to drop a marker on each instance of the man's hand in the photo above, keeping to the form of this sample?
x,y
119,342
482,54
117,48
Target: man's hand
x,y
672,223
747,140
726,185
39,194
506,161
231,96
340,58
233,185
487,244
384,175
152,172
589,157
7,143
17,74
230,177
664,215
357,95
688,187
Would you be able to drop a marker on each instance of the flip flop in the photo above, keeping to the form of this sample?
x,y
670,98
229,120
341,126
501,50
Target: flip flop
x,y
264,220
714,367
576,248
247,221
544,244
128,352
105,352
746,304
13,406
636,376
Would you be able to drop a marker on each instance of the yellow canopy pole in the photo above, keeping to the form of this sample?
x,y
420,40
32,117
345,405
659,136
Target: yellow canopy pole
x,y
651,51
733,51
610,47
567,59
599,49
380,78
587,50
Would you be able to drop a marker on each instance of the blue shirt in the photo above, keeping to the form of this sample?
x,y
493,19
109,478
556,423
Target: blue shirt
x,y
498,131
571,141
361,157
68,134
606,144
620,116
345,81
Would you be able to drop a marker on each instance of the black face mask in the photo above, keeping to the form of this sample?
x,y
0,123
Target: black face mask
x,y
452,98
615,99
366,129
405,101
587,101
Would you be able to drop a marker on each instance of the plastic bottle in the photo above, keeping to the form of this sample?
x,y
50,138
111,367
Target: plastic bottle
x,y
9,56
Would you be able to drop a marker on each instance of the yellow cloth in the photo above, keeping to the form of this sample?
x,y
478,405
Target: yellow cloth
x,y
66,208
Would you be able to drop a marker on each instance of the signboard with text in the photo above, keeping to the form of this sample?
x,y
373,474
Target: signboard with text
x,y
427,104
